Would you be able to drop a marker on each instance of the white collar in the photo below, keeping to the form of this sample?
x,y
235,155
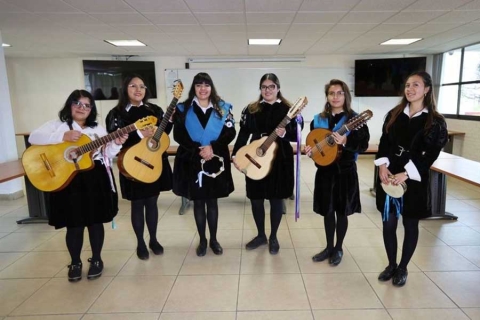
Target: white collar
x,y
278,100
407,111
210,105
129,106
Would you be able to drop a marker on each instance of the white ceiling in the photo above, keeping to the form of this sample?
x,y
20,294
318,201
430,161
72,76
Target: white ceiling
x,y
69,28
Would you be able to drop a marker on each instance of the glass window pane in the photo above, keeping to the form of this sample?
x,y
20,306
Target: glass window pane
x,y
451,66
471,63
470,100
448,99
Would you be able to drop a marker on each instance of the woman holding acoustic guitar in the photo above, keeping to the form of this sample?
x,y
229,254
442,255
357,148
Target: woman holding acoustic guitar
x,y
413,135
133,105
90,199
259,119
204,126
336,190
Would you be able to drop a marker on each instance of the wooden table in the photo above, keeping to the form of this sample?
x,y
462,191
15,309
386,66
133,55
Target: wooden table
x,y
11,170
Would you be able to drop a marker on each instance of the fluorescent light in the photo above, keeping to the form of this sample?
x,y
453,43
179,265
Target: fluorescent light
x,y
126,43
5,45
264,42
246,59
396,42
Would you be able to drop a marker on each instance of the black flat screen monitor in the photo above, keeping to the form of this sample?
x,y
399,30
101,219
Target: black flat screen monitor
x,y
384,77
103,79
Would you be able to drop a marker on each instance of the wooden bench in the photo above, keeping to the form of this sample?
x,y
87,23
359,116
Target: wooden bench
x,y
11,170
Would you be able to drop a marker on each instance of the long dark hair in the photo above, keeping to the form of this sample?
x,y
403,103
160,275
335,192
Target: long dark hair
x,y
347,105
204,78
255,106
123,99
65,114
428,102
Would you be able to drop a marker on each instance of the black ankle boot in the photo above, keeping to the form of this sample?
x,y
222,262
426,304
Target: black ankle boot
x,y
75,272
96,269
388,273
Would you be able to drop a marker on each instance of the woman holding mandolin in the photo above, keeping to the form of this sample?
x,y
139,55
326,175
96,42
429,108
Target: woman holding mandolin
x,y
336,191
204,126
133,105
90,199
413,135
260,119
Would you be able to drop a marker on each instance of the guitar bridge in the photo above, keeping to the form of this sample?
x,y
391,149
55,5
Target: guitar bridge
x,y
145,163
255,163
47,165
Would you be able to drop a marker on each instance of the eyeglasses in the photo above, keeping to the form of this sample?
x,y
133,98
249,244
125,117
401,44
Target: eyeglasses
x,y
141,87
270,87
81,105
338,93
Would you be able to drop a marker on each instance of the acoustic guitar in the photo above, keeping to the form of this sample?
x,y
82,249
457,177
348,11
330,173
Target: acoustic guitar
x,y
143,161
324,149
255,160
52,167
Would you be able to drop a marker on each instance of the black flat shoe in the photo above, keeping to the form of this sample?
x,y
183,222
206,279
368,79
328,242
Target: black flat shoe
x,y
388,273
324,255
156,247
96,269
336,257
400,277
142,253
75,272
273,246
256,242
202,248
216,247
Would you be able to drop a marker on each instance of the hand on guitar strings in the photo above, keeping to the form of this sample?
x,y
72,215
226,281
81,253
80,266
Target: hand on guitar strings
x,y
280,132
384,174
121,140
147,132
339,139
206,152
72,136
308,151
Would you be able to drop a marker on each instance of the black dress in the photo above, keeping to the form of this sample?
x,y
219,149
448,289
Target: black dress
x,y
336,185
422,147
136,190
278,184
187,161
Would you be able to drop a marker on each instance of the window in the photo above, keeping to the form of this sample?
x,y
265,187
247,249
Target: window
x,y
459,93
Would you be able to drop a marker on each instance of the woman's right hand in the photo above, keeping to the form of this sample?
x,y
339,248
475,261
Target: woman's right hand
x,y
308,151
148,132
384,173
71,135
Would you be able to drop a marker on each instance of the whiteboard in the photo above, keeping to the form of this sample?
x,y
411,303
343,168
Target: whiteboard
x,y
241,86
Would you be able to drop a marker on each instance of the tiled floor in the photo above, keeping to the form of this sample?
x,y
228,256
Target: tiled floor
x,y
444,279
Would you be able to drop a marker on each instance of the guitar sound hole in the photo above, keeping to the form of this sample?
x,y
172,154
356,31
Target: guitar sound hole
x,y
260,152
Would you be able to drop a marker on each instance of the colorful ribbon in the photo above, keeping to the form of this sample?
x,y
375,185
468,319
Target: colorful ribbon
x,y
299,120
397,203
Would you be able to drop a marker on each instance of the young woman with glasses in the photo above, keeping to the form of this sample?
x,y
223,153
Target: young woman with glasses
x,y
90,199
133,105
336,194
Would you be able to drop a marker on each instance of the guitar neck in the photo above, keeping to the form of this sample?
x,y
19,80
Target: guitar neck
x,y
166,118
95,144
273,136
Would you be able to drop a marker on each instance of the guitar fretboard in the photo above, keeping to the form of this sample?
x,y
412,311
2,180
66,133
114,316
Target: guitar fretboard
x,y
273,136
95,144
166,118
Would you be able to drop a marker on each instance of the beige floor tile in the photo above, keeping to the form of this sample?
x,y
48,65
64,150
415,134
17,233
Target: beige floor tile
x,y
364,238
374,259
462,287
340,291
231,221
120,240
23,241
37,265
14,292
360,221
203,293
471,218
122,316
419,292
134,294
177,222
425,238
473,313
309,238
59,296
283,237
272,292
475,203
462,236
441,259
198,316
260,261
7,258
57,243
274,315
169,263
175,238
48,317
438,223
227,263
433,314
378,314
229,239
306,221
472,253
304,256
458,205
249,223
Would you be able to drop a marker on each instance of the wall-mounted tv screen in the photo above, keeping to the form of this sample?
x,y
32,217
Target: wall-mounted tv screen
x,y
384,77
103,79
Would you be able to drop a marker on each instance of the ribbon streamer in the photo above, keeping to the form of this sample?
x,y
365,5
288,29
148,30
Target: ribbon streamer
x,y
299,120
397,203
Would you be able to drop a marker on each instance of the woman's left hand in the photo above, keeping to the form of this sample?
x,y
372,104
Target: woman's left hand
x,y
121,140
206,152
339,139
399,178
280,132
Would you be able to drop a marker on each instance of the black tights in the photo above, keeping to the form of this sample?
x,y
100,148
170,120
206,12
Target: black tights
x,y
340,225
201,217
145,210
74,239
409,242
276,212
